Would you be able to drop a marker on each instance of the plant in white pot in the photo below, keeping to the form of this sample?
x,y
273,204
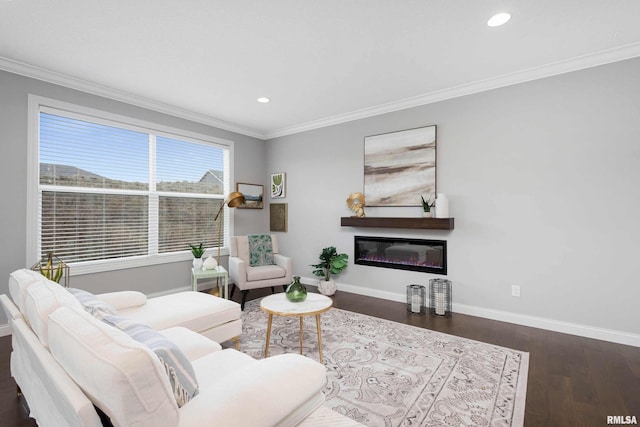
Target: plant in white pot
x,y
331,262
427,206
197,251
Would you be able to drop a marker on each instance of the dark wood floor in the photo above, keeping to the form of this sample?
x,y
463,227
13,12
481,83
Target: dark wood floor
x,y
572,381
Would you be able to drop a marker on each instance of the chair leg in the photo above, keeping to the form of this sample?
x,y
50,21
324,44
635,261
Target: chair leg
x,y
272,290
233,288
244,299
284,288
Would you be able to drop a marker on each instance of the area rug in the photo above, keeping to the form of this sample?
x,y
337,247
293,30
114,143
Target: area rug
x,y
384,373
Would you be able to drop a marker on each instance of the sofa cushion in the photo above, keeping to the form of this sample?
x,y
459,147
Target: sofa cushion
x,y
192,344
41,299
19,281
92,305
122,300
177,367
265,272
120,375
193,310
260,250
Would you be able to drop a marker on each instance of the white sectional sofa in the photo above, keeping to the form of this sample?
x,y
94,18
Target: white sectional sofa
x,y
67,363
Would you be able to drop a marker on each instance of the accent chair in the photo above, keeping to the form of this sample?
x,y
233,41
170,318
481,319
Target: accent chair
x,y
255,262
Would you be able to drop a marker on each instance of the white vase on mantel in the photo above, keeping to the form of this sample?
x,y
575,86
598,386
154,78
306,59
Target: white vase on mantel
x,y
442,206
427,214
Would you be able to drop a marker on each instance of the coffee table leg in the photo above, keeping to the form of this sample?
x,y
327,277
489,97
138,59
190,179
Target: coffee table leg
x,y
319,337
300,334
266,347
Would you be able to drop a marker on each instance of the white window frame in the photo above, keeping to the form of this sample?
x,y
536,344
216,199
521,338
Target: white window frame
x,y
37,104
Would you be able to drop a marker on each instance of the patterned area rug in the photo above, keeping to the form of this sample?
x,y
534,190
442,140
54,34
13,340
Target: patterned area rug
x,y
384,373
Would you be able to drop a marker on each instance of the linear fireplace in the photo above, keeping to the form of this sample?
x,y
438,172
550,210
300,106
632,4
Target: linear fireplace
x,y
427,256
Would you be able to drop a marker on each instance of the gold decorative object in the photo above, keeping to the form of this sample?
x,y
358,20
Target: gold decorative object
x,y
356,203
53,268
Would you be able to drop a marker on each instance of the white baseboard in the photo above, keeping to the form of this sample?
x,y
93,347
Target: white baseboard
x,y
5,330
610,335
619,337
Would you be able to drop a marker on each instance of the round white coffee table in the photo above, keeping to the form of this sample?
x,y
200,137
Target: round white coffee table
x,y
278,304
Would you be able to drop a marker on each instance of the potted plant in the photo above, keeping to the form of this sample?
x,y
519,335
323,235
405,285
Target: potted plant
x,y
197,252
331,262
427,205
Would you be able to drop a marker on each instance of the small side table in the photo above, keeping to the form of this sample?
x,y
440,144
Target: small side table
x,y
314,305
219,271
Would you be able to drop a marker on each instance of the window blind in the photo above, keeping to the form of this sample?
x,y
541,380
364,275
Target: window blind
x,y
109,190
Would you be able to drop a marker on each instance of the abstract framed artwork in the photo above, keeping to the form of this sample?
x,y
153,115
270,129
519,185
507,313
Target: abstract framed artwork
x,y
278,185
253,195
278,217
400,166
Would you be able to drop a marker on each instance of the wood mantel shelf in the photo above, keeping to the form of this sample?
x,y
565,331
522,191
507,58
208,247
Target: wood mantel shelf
x,y
388,222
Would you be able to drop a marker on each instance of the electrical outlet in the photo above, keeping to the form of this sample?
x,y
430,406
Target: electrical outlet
x,y
515,290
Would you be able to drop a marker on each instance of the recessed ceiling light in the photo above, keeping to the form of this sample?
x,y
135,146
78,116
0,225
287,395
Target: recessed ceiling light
x,y
263,100
499,19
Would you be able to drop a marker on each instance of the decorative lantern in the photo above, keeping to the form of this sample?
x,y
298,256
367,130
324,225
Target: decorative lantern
x,y
53,268
440,297
416,298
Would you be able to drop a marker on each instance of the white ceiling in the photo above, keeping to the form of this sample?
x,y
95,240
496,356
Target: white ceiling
x,y
320,62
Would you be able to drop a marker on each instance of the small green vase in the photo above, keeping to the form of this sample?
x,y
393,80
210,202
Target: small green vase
x,y
296,292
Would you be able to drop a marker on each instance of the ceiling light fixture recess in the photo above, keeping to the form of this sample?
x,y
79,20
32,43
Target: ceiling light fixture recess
x,y
499,19
263,100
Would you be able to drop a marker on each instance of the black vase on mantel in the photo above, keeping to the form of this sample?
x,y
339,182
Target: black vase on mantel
x,y
296,292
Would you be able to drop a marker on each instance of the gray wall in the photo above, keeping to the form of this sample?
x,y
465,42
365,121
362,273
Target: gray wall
x,y
249,166
542,179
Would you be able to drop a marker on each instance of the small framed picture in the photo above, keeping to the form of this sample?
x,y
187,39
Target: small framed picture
x,y
278,185
253,195
278,217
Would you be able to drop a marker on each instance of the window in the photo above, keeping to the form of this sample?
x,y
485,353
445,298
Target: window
x,y
113,192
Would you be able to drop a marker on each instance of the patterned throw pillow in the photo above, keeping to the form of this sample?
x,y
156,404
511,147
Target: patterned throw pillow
x,y
92,305
176,364
260,250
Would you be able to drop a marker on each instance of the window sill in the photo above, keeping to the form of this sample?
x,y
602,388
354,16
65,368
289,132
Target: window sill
x,y
90,267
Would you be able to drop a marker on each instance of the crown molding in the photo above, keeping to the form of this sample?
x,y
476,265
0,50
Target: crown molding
x,y
561,67
574,64
49,76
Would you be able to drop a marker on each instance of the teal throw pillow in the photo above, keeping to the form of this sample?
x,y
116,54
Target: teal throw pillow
x,y
260,250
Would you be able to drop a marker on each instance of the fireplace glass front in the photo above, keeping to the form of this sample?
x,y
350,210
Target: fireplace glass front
x,y
427,256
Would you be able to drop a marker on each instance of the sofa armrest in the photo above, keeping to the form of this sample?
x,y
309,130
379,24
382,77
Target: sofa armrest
x,y
237,271
246,397
10,308
123,300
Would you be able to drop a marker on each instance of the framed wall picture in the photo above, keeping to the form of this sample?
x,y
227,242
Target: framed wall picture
x,y
399,167
278,185
253,195
278,217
